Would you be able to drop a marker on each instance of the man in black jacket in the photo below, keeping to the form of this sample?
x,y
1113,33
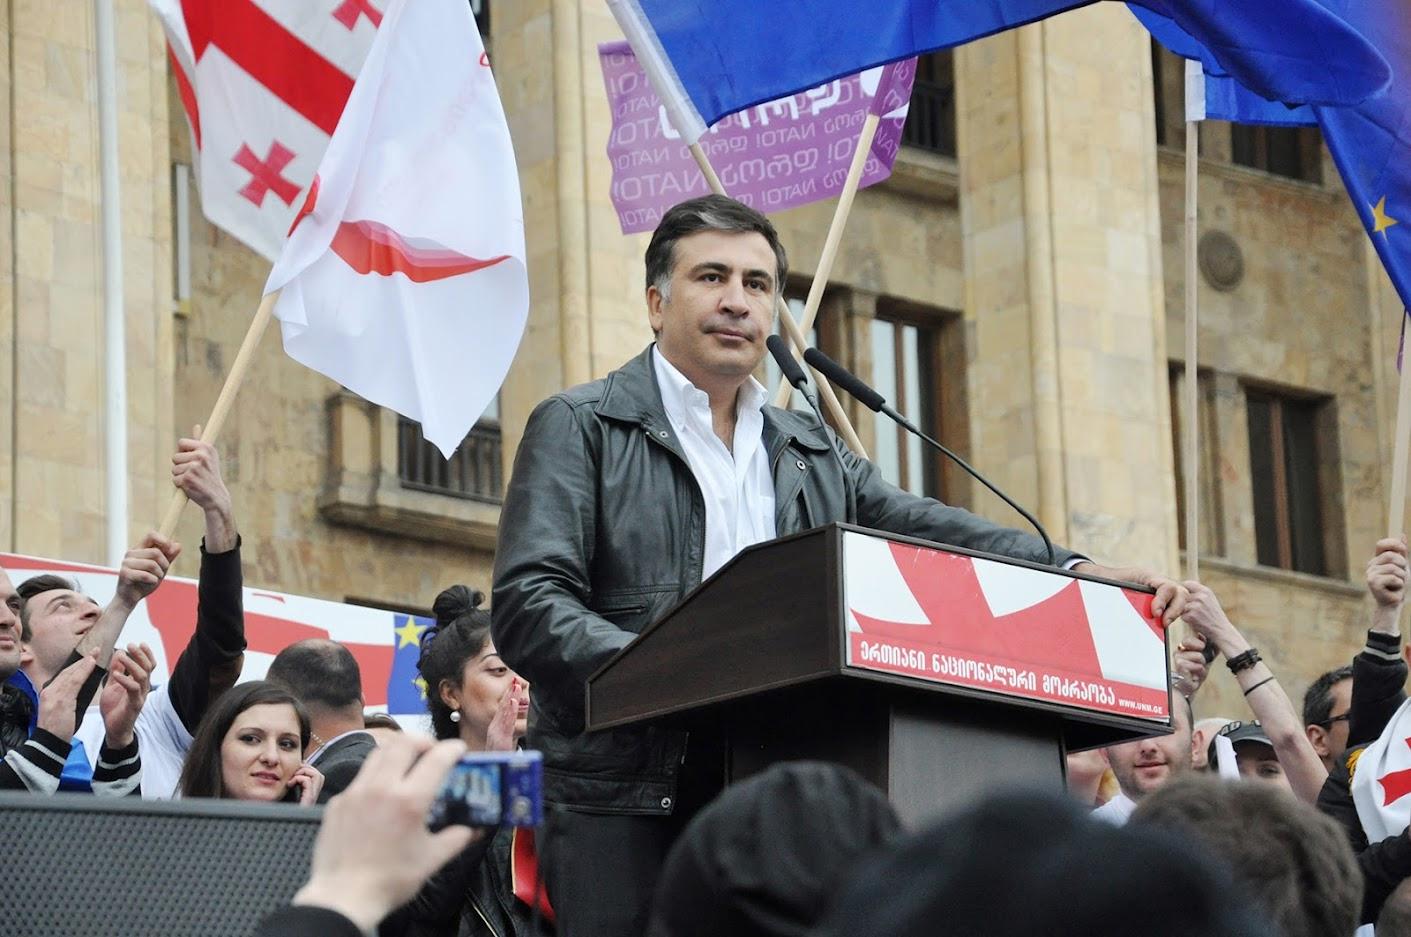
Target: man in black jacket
x,y
325,676
626,493
1378,690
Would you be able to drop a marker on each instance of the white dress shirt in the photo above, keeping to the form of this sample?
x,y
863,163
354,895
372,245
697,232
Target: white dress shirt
x,y
735,483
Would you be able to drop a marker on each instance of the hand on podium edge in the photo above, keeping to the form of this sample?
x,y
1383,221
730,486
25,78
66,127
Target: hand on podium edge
x,y
1170,598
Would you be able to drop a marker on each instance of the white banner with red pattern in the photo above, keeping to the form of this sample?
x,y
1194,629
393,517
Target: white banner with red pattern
x,y
990,625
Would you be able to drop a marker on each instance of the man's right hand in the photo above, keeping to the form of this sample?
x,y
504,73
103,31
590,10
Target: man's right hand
x,y
1387,572
144,567
195,469
58,702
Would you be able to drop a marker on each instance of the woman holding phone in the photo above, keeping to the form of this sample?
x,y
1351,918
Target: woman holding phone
x,y
250,746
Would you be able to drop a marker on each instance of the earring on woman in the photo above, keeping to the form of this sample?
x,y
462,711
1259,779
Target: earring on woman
x,y
455,715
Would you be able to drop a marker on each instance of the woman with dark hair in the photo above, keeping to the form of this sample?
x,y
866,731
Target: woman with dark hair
x,y
470,692
473,696
250,746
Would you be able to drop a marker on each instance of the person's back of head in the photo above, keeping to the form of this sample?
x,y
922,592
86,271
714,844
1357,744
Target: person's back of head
x,y
1036,865
1291,859
763,858
1395,917
325,677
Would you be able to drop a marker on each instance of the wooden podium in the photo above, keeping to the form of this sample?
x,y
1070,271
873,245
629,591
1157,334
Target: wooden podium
x,y
934,672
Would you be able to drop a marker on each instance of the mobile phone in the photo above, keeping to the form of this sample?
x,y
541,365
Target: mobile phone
x,y
491,789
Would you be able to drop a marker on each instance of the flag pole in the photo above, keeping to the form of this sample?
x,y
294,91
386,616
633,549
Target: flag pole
x,y
834,238
1396,512
786,319
114,316
238,371
1195,113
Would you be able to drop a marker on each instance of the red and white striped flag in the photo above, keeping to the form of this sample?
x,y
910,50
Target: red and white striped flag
x,y
263,83
404,276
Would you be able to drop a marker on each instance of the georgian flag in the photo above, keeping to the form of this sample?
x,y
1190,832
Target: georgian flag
x,y
1381,779
263,83
404,275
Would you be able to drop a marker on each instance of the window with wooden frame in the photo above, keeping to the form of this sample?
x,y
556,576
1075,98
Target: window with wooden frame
x,y
918,365
1292,462
1293,152
1211,516
930,121
475,470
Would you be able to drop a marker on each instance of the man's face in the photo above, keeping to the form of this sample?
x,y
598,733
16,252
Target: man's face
x,y
721,306
1143,766
1330,738
9,627
58,619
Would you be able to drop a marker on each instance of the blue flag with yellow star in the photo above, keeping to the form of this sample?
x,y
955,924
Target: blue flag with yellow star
x,y
406,691
1370,141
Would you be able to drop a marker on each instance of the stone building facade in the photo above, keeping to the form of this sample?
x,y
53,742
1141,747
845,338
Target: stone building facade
x,y
1023,264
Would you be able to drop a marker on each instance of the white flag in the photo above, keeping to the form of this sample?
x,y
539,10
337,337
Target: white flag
x,y
1381,780
404,277
263,83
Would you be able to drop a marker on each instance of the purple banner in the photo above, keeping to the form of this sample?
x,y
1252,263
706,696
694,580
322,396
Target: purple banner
x,y
774,156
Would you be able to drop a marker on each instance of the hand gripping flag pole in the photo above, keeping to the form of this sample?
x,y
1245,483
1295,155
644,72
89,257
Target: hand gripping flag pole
x,y
226,399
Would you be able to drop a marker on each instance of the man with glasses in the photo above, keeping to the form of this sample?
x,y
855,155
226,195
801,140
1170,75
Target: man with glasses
x,y
1327,709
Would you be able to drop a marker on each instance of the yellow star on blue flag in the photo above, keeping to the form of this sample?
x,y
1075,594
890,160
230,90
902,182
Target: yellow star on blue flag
x,y
1380,219
406,691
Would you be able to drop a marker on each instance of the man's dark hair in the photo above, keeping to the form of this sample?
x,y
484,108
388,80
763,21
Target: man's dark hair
x,y
323,674
1286,856
36,585
707,213
1318,701
1395,917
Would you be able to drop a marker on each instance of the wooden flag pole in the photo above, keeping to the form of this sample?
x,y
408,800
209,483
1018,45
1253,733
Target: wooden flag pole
x,y
795,334
1190,437
1396,511
831,242
226,399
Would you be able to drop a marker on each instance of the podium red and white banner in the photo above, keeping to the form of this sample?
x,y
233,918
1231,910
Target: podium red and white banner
x,y
984,624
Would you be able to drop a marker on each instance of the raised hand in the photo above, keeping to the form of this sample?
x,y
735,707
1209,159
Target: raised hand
x,y
129,682
503,734
58,701
144,567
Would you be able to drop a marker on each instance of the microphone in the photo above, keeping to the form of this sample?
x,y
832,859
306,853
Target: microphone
x,y
876,402
789,367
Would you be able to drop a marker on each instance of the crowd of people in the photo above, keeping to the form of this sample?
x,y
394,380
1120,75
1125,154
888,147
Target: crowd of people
x,y
1256,823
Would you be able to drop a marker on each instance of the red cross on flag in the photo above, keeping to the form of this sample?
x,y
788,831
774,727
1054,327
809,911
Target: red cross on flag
x,y
404,277
1381,781
263,83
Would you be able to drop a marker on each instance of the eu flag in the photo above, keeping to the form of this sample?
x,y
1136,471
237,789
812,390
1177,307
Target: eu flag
x,y
1370,140
406,692
710,58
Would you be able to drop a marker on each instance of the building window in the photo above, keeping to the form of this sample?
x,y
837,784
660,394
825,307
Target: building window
x,y
1294,152
474,471
1289,447
930,121
1210,518
481,9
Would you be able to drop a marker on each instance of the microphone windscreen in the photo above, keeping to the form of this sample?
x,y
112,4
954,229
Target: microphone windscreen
x,y
845,379
788,366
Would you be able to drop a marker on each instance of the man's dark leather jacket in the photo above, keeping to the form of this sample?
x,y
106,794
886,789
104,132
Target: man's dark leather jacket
x,y
603,531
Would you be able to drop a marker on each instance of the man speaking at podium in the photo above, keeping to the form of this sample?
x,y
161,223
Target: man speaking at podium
x,y
626,493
